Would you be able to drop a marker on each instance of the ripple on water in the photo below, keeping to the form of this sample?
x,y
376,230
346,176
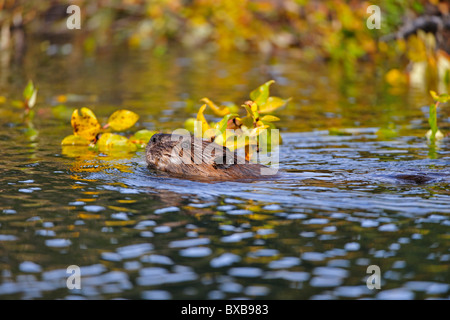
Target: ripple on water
x,y
245,272
58,243
195,252
189,243
224,260
94,208
166,210
395,294
134,250
156,295
157,259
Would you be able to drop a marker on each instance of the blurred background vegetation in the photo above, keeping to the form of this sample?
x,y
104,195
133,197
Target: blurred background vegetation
x,y
326,29
414,51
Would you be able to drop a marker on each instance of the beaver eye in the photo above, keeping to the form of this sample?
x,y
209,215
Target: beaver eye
x,y
153,139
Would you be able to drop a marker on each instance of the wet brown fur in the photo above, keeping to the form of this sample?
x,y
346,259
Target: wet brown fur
x,y
173,157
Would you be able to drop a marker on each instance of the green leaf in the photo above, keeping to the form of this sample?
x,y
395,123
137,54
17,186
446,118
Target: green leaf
x,y
28,91
443,98
32,100
142,137
250,111
74,140
221,128
432,120
112,141
189,124
122,120
260,94
434,95
272,104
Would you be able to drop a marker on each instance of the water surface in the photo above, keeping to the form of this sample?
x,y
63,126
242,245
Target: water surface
x,y
336,208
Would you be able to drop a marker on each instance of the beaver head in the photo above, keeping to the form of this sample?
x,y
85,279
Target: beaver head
x,y
187,156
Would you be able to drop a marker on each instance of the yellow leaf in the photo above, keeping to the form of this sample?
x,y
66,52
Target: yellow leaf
x,y
112,141
85,124
220,111
74,140
122,120
272,104
270,118
201,118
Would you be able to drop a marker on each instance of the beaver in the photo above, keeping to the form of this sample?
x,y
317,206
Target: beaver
x,y
189,157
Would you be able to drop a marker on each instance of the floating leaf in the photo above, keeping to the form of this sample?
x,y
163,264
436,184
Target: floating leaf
x,y
74,140
142,137
122,120
272,104
111,141
85,124
260,94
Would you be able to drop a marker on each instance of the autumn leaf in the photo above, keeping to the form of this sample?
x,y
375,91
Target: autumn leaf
x,y
219,111
272,104
85,124
122,120
111,141
270,118
74,140
201,118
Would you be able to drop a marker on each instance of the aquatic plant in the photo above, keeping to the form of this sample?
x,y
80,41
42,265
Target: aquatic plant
x,y
29,100
88,132
434,133
235,131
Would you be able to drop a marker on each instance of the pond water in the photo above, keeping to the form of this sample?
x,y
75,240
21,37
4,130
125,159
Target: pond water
x,y
337,207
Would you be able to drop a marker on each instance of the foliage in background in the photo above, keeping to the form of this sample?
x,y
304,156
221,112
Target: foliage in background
x,y
333,29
